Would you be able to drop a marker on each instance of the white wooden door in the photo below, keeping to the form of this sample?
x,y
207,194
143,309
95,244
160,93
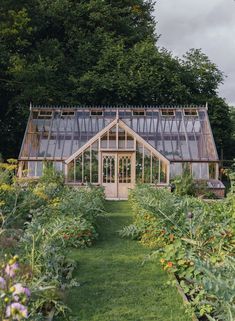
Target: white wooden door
x,y
109,174
126,174
118,174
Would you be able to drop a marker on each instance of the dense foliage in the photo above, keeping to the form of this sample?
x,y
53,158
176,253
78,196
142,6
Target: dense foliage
x,y
193,239
40,221
96,52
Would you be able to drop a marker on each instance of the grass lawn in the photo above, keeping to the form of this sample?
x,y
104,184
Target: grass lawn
x,y
117,284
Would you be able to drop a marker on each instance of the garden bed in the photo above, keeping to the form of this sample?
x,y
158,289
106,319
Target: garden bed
x,y
195,241
40,222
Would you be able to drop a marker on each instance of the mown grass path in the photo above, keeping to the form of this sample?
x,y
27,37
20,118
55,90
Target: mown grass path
x,y
117,284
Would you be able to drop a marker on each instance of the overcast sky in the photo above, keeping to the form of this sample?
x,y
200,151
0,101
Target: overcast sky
x,y
206,24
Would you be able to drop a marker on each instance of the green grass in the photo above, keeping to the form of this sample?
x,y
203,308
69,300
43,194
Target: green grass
x,y
117,283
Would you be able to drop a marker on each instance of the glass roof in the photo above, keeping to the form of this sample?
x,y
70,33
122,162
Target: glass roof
x,y
178,133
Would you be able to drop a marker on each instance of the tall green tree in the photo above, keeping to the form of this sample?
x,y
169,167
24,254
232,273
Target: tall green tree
x,y
47,46
203,78
94,52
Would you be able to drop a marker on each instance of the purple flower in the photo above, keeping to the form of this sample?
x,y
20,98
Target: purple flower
x,y
16,311
19,289
27,292
10,270
2,283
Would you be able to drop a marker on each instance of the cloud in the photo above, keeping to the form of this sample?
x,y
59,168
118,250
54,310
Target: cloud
x,y
210,25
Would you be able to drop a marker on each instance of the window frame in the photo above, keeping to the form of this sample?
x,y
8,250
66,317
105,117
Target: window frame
x,y
139,112
167,112
96,113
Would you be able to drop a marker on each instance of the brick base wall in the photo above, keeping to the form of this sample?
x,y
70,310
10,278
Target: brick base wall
x,y
219,192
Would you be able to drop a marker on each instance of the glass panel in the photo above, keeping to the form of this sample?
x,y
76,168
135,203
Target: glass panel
x,y
212,171
31,169
94,163
78,169
121,138
155,170
124,169
51,147
168,147
67,145
147,166
58,166
196,169
104,141
76,144
39,169
43,145
176,147
184,147
200,170
112,169
34,144
139,163
176,169
128,170
86,166
112,137
141,123
163,172
204,171
71,177
129,141
193,144
59,145
25,169
108,169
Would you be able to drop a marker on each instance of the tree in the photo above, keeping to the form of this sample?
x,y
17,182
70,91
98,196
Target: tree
x,y
47,46
201,75
94,52
220,119
203,79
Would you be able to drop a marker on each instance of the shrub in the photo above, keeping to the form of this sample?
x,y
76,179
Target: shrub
x,y
78,232
185,184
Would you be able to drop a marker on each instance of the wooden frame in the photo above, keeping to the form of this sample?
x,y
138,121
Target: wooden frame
x,y
115,151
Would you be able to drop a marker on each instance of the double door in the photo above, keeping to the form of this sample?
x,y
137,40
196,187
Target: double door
x,y
118,174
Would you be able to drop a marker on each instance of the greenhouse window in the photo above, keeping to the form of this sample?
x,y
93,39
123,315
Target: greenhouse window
x,y
67,113
45,114
168,112
96,113
138,112
191,112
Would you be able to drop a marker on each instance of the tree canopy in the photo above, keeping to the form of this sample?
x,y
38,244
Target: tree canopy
x,y
94,52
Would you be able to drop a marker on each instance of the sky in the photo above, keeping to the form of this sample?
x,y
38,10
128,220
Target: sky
x,y
205,24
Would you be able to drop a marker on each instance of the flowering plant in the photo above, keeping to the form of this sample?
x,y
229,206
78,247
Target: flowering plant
x,y
14,296
78,232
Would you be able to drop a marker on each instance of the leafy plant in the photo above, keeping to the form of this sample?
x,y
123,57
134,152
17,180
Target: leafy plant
x,y
183,231
78,232
185,184
130,231
41,220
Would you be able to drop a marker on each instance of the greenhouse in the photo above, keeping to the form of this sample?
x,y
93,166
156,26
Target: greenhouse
x,y
119,146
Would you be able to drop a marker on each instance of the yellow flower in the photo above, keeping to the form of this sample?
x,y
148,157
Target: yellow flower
x,y
2,203
6,187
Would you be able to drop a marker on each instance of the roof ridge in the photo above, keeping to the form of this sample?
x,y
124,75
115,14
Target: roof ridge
x,y
118,106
